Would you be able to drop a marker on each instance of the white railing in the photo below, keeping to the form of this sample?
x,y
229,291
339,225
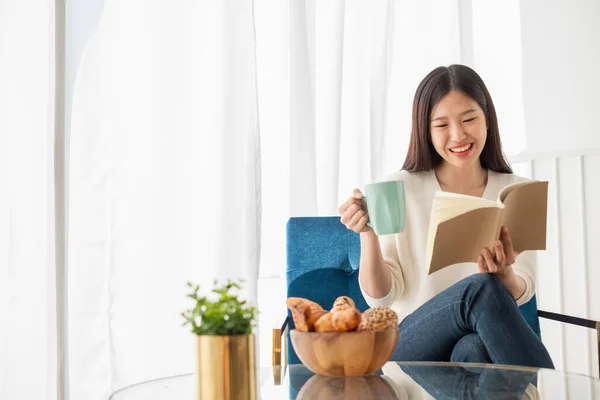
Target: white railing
x,y
566,270
537,156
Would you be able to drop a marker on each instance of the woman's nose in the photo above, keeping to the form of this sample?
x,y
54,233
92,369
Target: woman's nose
x,y
457,134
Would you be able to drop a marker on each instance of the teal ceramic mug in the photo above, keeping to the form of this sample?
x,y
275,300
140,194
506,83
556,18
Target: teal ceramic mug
x,y
386,206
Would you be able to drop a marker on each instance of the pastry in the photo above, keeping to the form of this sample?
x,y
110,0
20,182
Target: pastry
x,y
312,317
339,321
304,313
346,320
299,320
342,302
303,303
378,319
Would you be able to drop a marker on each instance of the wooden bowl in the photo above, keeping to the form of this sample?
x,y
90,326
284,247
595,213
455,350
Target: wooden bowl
x,y
344,353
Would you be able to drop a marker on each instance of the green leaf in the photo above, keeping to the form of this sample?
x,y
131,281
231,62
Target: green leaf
x,y
228,315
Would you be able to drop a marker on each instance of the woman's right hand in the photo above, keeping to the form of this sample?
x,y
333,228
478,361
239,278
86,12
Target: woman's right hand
x,y
354,213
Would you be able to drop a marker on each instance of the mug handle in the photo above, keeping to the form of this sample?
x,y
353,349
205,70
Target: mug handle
x,y
364,199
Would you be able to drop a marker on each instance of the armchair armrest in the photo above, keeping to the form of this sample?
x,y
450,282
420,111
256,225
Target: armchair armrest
x,y
279,344
586,323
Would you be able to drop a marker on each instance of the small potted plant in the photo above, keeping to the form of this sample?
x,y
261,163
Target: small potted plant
x,y
223,325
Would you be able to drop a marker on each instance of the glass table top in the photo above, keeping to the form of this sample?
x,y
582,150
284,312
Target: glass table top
x,y
405,380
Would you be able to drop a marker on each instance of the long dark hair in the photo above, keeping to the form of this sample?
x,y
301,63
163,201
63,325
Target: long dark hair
x,y
421,155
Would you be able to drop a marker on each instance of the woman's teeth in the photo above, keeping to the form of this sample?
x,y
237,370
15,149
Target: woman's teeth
x,y
461,149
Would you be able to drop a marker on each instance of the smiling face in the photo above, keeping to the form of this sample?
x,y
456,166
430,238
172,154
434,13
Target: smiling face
x,y
458,129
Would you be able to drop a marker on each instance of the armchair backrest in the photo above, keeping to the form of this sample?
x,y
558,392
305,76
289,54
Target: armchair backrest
x,y
322,264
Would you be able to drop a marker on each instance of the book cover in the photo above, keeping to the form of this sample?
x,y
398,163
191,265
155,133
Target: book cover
x,y
461,226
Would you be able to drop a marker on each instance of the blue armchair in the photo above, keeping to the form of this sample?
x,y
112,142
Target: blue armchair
x,y
322,264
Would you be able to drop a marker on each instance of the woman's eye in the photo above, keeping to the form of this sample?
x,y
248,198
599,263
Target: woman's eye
x,y
441,126
470,119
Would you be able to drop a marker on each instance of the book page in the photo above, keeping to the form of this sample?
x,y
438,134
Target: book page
x,y
526,207
448,206
461,239
508,189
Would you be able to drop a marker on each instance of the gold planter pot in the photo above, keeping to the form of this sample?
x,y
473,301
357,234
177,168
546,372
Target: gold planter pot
x,y
226,367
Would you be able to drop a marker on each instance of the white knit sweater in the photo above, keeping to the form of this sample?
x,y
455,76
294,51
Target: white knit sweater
x,y
404,253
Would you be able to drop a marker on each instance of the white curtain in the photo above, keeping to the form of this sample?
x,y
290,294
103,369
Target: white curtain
x,y
354,68
165,182
336,82
170,177
28,350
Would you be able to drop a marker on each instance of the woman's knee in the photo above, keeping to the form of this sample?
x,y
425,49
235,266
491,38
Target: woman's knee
x,y
482,279
470,348
487,284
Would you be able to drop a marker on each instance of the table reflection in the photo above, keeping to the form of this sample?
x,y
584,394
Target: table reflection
x,y
420,381
410,381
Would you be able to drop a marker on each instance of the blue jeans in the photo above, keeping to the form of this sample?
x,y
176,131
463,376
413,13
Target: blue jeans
x,y
474,320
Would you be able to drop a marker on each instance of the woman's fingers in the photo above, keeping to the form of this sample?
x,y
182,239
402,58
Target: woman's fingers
x,y
500,256
349,213
354,223
363,222
481,265
344,207
489,261
356,198
353,213
509,251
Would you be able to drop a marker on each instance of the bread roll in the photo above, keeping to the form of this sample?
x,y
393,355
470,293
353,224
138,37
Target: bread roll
x,y
378,319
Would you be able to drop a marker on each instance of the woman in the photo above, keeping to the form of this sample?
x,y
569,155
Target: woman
x,y
467,312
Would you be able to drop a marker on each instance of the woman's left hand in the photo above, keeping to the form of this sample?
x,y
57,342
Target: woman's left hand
x,y
501,264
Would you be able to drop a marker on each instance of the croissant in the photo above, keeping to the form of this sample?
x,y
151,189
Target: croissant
x,y
302,303
304,313
342,302
299,320
338,321
314,316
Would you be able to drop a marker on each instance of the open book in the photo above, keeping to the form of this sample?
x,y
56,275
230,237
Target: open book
x,y
461,226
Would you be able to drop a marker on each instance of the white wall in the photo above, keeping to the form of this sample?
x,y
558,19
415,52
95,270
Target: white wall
x,y
560,45
561,79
